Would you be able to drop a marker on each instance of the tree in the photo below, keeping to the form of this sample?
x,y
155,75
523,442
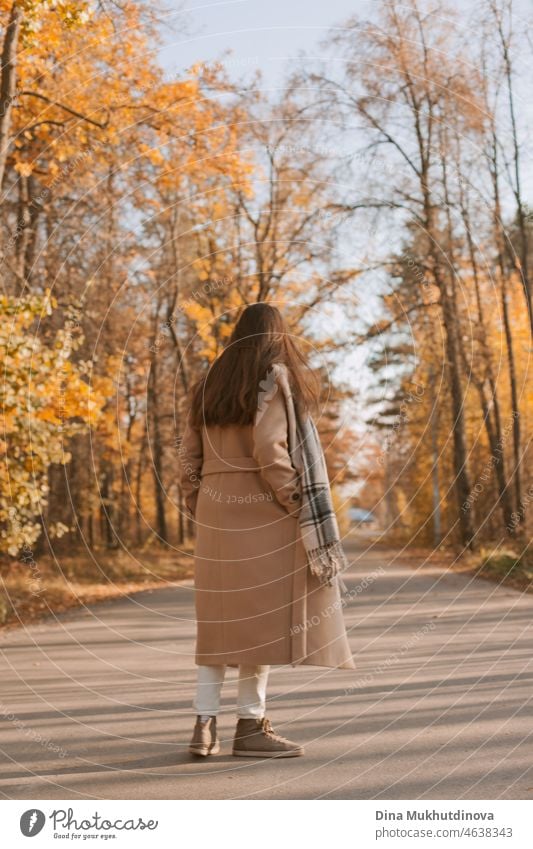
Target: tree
x,y
46,400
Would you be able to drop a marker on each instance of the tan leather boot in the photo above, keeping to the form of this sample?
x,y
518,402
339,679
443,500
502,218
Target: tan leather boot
x,y
204,738
255,738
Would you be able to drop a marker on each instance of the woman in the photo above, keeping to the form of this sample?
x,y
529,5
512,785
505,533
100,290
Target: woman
x,y
258,602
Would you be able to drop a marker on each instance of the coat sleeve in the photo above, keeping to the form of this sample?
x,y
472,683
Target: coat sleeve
x,y
271,452
191,457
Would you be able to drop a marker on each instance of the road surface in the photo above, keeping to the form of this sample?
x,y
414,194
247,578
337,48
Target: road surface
x,y
96,703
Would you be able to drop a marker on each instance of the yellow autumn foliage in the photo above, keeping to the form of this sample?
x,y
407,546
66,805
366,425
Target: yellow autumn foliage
x,y
46,399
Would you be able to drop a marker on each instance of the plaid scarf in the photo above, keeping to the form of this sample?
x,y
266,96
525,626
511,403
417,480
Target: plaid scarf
x,y
319,529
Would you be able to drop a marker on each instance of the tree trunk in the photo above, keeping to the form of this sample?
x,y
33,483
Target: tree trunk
x,y
8,83
500,237
521,264
451,324
138,489
462,480
157,445
106,510
181,517
435,483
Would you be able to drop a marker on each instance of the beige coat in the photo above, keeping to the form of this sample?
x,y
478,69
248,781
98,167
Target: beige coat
x,y
256,600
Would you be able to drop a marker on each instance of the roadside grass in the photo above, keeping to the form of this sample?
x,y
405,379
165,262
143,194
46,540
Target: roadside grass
x,y
33,590
505,565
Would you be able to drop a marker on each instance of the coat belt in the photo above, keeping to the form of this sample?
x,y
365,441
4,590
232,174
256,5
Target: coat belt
x,y
229,464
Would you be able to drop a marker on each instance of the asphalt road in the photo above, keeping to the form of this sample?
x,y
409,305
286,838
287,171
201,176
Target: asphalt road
x,y
96,704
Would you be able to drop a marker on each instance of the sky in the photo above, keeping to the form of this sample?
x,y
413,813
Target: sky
x,y
266,34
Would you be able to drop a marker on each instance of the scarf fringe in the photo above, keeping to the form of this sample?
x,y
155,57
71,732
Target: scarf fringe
x,y
327,562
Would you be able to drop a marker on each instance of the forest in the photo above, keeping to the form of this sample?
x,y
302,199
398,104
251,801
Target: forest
x,y
382,200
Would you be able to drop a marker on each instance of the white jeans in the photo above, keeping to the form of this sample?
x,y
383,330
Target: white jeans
x,y
251,691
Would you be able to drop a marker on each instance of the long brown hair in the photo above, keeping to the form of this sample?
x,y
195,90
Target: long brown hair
x,y
228,393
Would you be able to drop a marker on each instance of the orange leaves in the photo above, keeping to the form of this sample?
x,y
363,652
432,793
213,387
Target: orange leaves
x,y
77,83
153,154
23,168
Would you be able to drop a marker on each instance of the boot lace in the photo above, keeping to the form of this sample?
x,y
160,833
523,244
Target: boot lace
x,y
266,728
